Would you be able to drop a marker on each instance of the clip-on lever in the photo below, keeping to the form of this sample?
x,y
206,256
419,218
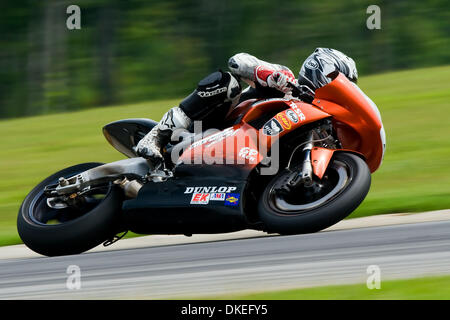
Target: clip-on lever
x,y
301,91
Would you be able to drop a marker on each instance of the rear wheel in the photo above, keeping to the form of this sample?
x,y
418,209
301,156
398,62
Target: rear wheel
x,y
74,229
327,201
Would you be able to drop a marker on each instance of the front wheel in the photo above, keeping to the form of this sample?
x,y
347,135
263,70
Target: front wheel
x,y
327,201
70,230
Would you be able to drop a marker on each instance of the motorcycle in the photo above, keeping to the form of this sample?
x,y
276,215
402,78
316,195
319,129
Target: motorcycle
x,y
291,165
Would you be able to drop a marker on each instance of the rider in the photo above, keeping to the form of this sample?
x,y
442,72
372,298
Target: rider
x,y
220,91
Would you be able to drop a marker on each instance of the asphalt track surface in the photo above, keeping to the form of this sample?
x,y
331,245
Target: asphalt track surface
x,y
235,266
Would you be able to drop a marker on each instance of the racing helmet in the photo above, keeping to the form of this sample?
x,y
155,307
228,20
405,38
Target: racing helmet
x,y
321,64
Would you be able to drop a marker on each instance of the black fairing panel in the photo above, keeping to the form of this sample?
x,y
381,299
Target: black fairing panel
x,y
125,134
165,208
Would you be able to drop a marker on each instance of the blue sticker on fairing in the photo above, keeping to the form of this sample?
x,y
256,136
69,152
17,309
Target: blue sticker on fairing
x,y
232,199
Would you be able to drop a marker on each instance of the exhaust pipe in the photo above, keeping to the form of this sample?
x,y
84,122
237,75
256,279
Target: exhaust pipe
x,y
131,188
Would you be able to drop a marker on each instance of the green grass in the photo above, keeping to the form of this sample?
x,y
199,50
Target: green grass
x,y
415,175
429,288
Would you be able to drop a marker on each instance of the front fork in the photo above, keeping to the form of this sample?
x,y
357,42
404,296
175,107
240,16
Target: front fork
x,y
315,161
305,175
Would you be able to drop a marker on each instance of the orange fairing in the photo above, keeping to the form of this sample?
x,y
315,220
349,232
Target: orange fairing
x,y
320,157
234,145
356,119
293,114
262,107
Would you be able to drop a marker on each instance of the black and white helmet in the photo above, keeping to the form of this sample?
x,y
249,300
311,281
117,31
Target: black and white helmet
x,y
323,61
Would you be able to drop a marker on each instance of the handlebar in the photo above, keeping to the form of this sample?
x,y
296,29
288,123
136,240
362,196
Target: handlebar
x,y
301,91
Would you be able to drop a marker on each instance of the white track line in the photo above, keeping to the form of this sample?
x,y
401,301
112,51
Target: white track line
x,y
21,251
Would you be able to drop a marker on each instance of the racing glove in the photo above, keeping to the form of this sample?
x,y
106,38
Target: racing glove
x,y
275,79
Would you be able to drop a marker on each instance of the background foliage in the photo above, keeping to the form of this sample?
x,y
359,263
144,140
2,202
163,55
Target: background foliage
x,y
135,50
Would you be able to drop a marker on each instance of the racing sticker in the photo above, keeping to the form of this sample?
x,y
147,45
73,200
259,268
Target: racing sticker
x,y
217,197
297,110
200,198
232,199
248,154
292,116
283,119
215,138
213,189
272,128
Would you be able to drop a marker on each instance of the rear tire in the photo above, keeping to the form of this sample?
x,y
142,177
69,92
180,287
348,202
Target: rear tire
x,y
327,213
74,236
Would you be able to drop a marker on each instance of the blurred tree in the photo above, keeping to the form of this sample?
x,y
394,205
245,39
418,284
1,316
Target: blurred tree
x,y
135,50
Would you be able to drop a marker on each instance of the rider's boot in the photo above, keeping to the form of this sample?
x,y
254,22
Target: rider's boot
x,y
151,145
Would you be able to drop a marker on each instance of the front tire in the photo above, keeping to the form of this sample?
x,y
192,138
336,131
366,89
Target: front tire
x,y
351,177
71,235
